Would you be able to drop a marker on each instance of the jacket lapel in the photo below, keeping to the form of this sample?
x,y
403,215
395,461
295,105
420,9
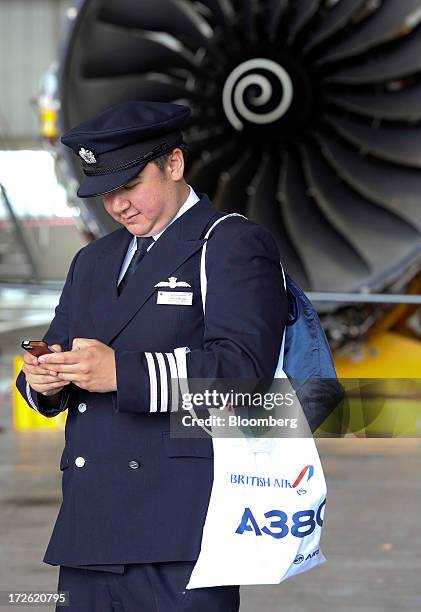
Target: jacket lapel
x,y
104,284
180,241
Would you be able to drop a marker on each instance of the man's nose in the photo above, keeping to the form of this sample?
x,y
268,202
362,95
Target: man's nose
x,y
120,202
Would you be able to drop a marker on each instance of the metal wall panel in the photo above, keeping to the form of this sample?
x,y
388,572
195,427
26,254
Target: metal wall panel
x,y
29,36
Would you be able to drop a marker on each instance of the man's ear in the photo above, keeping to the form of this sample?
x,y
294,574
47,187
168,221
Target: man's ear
x,y
176,164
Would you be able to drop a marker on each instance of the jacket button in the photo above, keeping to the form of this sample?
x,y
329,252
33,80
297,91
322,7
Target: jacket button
x,y
80,461
134,465
81,407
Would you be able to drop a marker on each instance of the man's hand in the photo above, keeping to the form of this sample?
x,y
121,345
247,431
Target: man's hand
x,y
41,379
90,365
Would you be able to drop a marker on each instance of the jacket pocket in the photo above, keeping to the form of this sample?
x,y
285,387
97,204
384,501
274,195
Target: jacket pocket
x,y
187,447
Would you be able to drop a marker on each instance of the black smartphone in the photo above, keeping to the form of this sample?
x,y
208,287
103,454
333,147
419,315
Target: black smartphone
x,y
37,347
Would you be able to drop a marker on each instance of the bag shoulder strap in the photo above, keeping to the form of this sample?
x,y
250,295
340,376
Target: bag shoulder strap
x,y
203,277
204,284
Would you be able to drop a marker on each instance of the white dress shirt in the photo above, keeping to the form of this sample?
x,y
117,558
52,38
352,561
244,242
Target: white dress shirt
x,y
191,201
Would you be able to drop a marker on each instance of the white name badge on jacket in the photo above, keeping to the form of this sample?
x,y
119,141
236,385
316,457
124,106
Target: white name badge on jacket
x,y
175,298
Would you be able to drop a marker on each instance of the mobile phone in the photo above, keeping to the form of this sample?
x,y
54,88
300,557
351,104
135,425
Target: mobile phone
x,y
37,347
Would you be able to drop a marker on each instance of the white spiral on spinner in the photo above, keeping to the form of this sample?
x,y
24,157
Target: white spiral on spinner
x,y
236,84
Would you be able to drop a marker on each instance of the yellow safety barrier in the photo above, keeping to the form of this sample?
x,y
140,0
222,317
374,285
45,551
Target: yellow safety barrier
x,y
25,417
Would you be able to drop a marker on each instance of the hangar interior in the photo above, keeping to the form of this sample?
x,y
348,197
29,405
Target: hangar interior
x,y
305,118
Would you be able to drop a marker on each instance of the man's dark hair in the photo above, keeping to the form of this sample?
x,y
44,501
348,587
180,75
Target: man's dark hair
x,y
161,162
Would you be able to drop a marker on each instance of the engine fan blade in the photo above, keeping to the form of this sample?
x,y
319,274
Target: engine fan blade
x,y
274,12
399,62
176,17
389,185
374,232
203,139
114,51
205,171
321,247
391,21
333,21
400,105
232,185
304,12
396,144
220,11
263,207
91,96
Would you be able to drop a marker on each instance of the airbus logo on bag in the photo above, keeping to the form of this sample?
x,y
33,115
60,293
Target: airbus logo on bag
x,y
300,558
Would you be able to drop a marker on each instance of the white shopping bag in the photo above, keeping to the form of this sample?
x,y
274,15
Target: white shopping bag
x,y
265,513
266,509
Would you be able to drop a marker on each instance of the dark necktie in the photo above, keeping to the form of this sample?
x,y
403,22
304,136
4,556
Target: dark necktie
x,y
142,245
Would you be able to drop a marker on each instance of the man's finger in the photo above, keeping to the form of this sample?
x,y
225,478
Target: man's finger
x,y
35,373
69,376
30,359
80,343
67,357
67,368
43,380
36,370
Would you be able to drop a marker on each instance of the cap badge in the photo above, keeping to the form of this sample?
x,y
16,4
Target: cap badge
x,y
87,155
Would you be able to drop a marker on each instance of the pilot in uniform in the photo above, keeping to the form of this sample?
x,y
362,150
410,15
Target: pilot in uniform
x,y
130,324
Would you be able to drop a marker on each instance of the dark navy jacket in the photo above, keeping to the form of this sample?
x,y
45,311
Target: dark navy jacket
x,y
141,496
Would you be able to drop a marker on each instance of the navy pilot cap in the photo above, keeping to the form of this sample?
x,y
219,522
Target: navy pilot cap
x,y
117,144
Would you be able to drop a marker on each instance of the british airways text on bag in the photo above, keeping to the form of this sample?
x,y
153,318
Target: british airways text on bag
x,y
266,509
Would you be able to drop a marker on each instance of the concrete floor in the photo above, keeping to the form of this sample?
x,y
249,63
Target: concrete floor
x,y
371,534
